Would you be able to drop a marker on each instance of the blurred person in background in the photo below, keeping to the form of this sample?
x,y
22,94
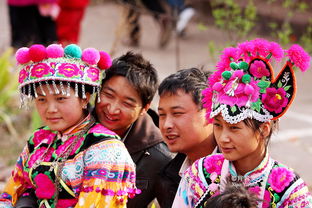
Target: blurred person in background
x,y
183,12
32,21
68,22
131,15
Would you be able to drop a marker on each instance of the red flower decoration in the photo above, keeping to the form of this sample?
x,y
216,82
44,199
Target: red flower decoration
x,y
41,70
43,136
64,203
69,70
36,156
280,178
45,186
258,69
22,75
214,163
274,100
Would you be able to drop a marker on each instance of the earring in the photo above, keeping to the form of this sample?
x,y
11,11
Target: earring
x,y
84,107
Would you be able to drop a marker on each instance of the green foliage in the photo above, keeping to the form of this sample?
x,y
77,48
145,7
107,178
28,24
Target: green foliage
x,y
236,20
202,27
306,38
212,50
8,85
285,33
36,121
8,89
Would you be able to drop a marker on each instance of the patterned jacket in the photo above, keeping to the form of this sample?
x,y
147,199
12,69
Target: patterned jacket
x,y
275,184
98,172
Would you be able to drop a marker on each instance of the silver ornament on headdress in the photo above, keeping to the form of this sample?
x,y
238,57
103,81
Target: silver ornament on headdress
x,y
56,90
42,91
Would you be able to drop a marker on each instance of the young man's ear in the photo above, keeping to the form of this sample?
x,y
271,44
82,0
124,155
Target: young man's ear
x,y
145,109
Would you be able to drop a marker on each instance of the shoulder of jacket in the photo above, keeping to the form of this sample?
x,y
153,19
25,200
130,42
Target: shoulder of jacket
x,y
161,149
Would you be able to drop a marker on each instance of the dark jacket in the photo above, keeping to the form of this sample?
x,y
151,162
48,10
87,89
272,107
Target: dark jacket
x,y
170,178
151,155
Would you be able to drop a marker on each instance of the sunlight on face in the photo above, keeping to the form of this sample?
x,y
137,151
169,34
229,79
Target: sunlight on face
x,y
58,111
120,105
182,125
237,141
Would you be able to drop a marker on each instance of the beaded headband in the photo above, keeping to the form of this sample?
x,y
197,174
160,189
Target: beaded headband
x,y
243,85
63,66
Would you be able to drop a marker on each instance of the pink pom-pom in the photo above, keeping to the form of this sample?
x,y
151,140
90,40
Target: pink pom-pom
x,y
248,89
22,55
37,53
105,60
91,56
245,49
299,57
238,73
276,51
217,86
261,47
55,51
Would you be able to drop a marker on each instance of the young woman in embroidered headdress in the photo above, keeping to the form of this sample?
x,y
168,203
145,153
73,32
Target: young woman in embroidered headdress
x,y
243,102
72,161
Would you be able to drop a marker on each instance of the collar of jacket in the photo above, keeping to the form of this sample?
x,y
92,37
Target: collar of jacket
x,y
143,134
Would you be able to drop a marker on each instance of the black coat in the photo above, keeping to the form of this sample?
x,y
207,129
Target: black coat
x,y
151,155
170,178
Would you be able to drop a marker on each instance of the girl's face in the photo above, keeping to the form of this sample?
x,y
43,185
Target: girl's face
x,y
58,111
238,142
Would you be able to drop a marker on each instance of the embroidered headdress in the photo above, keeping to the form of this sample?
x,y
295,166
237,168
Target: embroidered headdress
x,y
63,66
243,85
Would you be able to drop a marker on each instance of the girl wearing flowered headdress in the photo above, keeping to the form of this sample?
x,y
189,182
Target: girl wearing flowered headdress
x,y
73,161
244,102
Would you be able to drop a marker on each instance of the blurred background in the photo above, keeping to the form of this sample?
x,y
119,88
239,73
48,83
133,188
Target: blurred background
x,y
172,35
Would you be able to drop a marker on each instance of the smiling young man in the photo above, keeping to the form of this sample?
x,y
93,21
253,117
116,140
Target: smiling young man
x,y
183,124
126,94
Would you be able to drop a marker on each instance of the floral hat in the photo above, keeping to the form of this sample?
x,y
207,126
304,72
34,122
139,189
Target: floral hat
x,y
57,65
243,85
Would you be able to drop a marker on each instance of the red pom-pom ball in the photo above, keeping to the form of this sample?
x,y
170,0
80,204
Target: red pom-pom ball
x,y
55,51
37,53
91,56
105,60
22,55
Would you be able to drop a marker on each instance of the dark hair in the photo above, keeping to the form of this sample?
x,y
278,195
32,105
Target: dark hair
x,y
255,126
29,88
192,81
138,71
234,196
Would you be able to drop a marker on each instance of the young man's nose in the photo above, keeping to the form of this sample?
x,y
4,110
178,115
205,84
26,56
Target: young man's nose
x,y
114,108
168,123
